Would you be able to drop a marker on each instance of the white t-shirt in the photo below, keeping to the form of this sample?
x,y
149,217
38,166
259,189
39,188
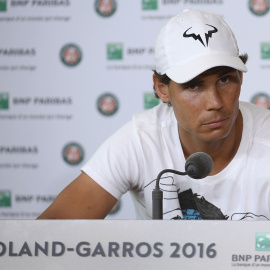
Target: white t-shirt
x,y
131,159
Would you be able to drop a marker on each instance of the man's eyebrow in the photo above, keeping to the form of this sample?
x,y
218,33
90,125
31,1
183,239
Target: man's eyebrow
x,y
199,79
194,81
227,71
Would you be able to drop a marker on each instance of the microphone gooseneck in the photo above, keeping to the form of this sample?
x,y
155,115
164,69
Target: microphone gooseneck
x,y
197,166
157,196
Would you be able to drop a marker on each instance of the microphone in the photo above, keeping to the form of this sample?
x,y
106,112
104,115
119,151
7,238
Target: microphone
x,y
197,166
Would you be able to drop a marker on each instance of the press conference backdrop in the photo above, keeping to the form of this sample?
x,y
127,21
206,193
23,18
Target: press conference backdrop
x,y
73,71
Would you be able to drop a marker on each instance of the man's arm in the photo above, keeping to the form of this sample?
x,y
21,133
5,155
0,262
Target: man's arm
x,y
81,199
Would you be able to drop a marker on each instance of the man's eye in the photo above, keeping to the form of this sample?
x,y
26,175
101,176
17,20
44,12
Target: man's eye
x,y
192,87
224,79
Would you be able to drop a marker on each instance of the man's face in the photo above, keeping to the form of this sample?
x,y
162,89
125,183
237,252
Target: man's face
x,y
206,107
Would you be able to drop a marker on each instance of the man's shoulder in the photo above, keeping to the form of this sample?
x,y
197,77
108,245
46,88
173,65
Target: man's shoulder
x,y
256,121
158,116
254,113
252,107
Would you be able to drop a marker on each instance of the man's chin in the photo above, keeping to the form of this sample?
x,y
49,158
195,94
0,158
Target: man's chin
x,y
215,135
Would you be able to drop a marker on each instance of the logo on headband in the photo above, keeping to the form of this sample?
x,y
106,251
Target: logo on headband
x,y
198,37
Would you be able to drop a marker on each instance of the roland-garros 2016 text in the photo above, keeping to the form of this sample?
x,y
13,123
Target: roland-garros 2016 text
x,y
109,249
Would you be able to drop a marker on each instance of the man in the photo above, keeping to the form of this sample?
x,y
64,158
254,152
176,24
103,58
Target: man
x,y
198,77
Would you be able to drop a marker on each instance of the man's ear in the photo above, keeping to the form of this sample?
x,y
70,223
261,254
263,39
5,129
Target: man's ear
x,y
241,76
161,89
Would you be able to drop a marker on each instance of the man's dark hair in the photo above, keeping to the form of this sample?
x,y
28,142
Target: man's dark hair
x,y
166,80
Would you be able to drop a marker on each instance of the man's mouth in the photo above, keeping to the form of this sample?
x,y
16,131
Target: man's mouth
x,y
216,123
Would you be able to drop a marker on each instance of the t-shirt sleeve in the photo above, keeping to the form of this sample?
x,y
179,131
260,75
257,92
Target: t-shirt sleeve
x,y
117,164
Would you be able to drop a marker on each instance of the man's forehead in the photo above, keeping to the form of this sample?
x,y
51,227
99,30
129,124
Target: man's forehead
x,y
221,70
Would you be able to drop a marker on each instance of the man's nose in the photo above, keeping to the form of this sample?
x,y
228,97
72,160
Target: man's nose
x,y
213,98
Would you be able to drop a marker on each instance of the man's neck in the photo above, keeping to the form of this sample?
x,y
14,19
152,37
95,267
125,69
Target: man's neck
x,y
222,151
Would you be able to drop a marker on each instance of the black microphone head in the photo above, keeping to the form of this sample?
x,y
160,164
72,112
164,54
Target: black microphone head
x,y
199,165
